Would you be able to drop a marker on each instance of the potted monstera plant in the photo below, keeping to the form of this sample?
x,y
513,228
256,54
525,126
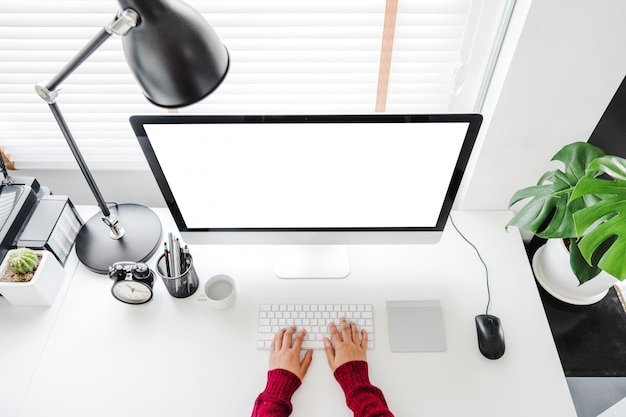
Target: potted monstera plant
x,y
581,211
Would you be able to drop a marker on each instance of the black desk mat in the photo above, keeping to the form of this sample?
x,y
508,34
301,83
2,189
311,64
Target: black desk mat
x,y
591,340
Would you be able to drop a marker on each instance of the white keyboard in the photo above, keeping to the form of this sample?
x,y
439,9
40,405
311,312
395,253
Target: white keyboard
x,y
315,318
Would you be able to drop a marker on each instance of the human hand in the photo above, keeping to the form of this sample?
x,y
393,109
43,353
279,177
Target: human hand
x,y
345,346
284,355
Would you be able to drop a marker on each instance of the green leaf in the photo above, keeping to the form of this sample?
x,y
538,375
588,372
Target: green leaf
x,y
546,203
613,166
601,227
549,213
577,157
583,270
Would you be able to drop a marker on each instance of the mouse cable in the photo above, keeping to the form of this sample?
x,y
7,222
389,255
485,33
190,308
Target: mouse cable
x,y
481,260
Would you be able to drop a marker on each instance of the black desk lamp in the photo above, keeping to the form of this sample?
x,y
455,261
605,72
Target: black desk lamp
x,y
178,60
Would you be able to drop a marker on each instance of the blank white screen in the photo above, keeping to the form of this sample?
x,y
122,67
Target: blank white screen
x,y
326,175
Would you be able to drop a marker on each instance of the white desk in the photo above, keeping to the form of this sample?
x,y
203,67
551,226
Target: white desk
x,y
92,355
24,333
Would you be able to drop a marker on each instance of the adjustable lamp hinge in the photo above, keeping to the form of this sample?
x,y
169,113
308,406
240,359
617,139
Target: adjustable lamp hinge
x,y
48,96
117,231
123,23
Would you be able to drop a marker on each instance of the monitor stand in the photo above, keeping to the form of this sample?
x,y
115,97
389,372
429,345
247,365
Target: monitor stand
x,y
312,261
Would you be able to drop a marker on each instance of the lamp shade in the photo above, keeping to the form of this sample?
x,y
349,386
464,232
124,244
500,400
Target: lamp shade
x,y
174,53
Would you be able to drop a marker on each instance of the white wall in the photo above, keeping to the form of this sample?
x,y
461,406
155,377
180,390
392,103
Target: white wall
x,y
551,86
561,63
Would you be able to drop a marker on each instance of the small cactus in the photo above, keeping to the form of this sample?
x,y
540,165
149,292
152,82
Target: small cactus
x,y
23,261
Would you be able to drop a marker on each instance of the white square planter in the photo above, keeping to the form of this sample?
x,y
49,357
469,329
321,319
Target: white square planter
x,y
41,290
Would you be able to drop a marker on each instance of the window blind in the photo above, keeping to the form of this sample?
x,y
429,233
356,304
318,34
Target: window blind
x,y
287,57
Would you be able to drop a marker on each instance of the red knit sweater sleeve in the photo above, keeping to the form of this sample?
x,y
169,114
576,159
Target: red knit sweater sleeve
x,y
275,401
364,399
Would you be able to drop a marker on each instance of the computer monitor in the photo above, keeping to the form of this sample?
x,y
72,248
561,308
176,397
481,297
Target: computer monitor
x,y
311,184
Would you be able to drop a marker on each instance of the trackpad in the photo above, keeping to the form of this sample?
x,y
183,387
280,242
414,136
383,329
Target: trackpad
x,y
416,326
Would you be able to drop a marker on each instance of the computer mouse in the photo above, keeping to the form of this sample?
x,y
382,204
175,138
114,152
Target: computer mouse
x,y
490,336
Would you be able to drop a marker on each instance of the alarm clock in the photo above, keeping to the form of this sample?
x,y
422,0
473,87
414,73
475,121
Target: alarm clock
x,y
133,282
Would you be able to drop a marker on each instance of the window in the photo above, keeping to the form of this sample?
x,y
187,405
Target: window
x,y
287,56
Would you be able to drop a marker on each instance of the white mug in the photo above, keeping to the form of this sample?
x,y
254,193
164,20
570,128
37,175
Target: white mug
x,y
220,291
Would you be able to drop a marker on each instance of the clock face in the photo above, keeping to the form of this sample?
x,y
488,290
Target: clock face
x,y
131,292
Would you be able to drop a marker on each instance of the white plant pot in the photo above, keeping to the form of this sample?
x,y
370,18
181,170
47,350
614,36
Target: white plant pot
x,y
552,270
41,290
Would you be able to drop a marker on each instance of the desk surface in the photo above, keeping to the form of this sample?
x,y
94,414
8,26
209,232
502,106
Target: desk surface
x,y
89,354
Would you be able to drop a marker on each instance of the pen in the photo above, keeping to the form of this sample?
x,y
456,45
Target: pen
x,y
166,255
187,258
183,258
176,258
186,265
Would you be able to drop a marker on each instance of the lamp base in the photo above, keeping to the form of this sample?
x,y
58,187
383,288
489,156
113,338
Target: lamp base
x,y
97,250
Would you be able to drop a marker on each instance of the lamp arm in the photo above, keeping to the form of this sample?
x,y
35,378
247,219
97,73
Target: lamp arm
x,y
58,116
47,90
121,25
78,59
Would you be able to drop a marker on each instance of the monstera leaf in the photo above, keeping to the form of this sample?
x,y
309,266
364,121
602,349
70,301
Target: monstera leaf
x,y
549,212
583,270
601,227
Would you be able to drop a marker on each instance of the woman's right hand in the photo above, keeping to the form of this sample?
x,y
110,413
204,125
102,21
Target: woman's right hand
x,y
345,346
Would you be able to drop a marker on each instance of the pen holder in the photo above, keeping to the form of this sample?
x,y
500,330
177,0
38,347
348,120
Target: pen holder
x,y
182,285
